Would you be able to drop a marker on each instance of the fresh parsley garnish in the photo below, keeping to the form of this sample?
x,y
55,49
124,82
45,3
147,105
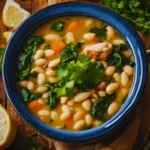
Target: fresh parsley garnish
x,y
100,32
58,26
136,11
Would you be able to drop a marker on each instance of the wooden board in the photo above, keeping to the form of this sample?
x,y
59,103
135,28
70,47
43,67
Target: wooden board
x,y
138,128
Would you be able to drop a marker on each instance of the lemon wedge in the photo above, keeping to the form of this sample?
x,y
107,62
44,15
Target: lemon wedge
x,y
13,15
7,129
7,35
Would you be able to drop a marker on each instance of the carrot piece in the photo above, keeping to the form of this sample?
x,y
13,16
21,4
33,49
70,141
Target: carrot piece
x,y
34,106
58,46
73,26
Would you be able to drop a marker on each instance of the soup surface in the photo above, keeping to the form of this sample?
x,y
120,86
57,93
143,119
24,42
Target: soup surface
x,y
75,73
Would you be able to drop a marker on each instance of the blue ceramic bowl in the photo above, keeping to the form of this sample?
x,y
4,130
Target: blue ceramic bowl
x,y
75,9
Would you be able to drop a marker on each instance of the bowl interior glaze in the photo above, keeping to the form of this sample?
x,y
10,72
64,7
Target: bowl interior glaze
x,y
75,9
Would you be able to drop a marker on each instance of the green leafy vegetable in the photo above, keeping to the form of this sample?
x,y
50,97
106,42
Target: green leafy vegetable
x,y
99,109
136,11
70,52
88,127
24,65
58,26
52,100
47,47
49,85
78,75
34,74
2,51
118,59
32,144
100,32
29,96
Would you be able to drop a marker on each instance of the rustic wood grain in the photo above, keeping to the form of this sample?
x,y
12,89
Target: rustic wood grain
x,y
2,44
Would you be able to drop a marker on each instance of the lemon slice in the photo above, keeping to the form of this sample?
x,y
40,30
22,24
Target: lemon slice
x,y
7,129
13,15
7,35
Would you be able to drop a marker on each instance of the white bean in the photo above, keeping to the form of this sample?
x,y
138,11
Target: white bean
x,y
66,112
82,96
78,115
102,86
78,125
113,108
70,102
44,113
110,71
126,53
102,93
38,54
49,53
117,77
54,115
50,72
87,105
52,37
63,99
89,36
30,86
41,78
40,62
65,108
88,119
38,70
112,87
45,95
124,79
70,37
128,69
118,41
104,64
54,63
41,101
42,89
110,32
89,23
53,79
23,83
97,123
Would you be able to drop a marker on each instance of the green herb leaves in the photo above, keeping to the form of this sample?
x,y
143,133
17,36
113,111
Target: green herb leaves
x,y
2,51
25,59
118,59
58,26
70,52
99,109
100,32
29,96
136,11
52,100
78,75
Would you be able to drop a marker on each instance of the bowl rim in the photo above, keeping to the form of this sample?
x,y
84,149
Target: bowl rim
x,y
78,9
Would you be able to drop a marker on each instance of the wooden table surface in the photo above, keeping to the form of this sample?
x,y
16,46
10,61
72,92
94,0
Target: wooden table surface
x,y
24,131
